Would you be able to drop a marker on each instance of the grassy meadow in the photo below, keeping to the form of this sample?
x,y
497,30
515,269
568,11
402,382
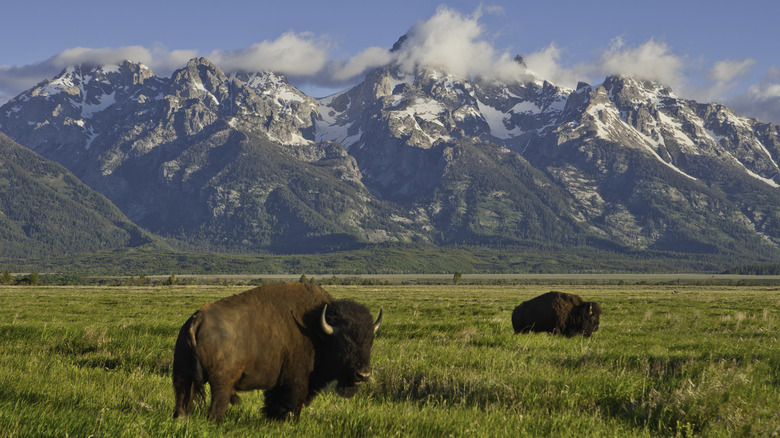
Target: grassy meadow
x,y
680,360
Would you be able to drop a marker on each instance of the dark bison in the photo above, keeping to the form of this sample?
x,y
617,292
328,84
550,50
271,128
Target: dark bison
x,y
557,312
289,339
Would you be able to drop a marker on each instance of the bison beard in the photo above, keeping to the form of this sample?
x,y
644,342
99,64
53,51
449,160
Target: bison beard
x,y
557,313
289,339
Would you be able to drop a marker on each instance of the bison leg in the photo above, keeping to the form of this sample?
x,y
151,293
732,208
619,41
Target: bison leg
x,y
283,402
234,398
221,392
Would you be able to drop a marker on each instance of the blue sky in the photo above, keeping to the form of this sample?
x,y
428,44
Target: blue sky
x,y
724,51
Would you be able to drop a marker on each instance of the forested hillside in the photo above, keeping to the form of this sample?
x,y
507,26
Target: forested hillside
x,y
46,211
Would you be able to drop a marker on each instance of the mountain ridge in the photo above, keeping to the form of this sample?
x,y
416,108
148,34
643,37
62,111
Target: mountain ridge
x,y
419,156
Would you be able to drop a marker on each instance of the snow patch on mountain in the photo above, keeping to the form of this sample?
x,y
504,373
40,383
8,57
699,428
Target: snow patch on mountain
x,y
332,126
426,109
768,181
715,137
104,101
527,107
395,80
63,83
675,128
497,119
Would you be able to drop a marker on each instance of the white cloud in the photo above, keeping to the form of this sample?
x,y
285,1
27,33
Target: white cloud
x,y
727,70
357,65
760,100
292,54
84,55
723,76
15,79
652,60
546,64
164,61
447,40
451,41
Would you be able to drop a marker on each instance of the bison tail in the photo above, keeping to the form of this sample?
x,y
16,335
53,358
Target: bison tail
x,y
188,377
198,377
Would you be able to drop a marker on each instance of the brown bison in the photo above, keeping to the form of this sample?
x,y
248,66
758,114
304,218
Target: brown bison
x,y
557,312
289,339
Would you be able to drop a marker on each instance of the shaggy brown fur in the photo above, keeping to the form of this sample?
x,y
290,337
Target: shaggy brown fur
x,y
272,338
557,313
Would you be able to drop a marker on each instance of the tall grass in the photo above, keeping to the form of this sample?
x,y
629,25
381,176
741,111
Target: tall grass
x,y
680,361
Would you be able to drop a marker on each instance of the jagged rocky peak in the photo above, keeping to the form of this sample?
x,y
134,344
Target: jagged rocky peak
x,y
89,77
136,72
125,73
378,82
274,86
60,110
198,76
445,87
399,43
265,82
287,113
616,93
626,91
346,108
258,100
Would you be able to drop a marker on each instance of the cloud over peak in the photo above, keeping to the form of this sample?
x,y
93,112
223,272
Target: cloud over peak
x,y
294,54
652,61
448,40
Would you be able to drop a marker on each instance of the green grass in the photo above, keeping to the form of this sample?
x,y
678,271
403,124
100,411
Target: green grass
x,y
79,361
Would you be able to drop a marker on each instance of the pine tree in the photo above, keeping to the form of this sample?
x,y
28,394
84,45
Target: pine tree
x,y
33,279
6,277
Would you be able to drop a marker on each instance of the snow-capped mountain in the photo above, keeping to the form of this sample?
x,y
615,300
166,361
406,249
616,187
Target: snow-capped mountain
x,y
245,161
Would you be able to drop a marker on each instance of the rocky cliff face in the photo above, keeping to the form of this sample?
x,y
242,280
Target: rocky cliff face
x,y
244,161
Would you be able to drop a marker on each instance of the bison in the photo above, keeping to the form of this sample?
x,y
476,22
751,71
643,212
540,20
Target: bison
x,y
289,339
557,312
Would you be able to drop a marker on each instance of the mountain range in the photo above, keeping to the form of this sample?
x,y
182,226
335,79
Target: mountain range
x,y
243,162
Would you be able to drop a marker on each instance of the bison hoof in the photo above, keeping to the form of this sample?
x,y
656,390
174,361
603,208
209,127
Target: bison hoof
x,y
279,414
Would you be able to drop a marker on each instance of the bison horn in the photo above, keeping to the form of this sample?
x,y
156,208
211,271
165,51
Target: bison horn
x,y
378,321
325,326
590,309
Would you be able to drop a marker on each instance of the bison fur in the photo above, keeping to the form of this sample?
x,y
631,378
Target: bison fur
x,y
557,313
288,339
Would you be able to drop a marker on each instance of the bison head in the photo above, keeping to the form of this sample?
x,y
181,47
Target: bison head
x,y
349,334
590,312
